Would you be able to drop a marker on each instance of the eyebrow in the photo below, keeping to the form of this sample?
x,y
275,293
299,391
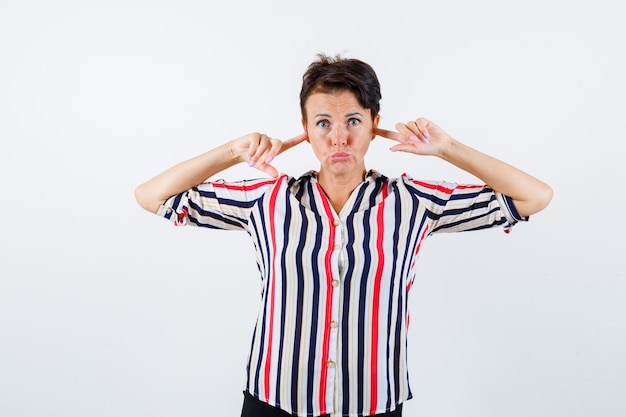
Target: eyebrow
x,y
356,113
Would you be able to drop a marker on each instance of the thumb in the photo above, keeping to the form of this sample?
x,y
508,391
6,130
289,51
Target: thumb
x,y
404,147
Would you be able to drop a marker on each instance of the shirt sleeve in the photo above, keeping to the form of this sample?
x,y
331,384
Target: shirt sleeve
x,y
217,205
452,207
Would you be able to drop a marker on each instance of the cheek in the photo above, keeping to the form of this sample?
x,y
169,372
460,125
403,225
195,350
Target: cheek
x,y
316,144
317,137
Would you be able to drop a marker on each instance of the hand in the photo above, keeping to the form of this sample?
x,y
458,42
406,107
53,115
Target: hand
x,y
259,150
421,137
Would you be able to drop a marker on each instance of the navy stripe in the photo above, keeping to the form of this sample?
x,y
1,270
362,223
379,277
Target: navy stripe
x,y
361,342
264,246
410,248
201,221
375,193
457,223
299,307
345,329
390,316
468,195
478,206
226,201
316,277
435,200
358,199
510,204
174,204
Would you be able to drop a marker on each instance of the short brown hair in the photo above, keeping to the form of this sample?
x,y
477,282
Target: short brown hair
x,y
328,74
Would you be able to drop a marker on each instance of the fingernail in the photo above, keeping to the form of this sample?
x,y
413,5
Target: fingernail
x,y
251,163
268,160
424,139
413,138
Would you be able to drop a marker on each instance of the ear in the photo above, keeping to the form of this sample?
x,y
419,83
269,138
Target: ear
x,y
304,128
375,125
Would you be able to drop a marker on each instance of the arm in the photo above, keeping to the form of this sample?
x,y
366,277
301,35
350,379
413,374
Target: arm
x,y
423,137
256,149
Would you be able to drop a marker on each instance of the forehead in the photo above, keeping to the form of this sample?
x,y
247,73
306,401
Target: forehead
x,y
333,101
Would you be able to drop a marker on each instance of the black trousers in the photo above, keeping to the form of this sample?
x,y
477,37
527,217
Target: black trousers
x,y
253,407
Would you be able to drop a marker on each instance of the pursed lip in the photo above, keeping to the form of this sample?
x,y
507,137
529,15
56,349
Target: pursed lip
x,y
340,156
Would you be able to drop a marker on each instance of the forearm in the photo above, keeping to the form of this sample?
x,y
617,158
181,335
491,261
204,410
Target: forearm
x,y
183,176
529,194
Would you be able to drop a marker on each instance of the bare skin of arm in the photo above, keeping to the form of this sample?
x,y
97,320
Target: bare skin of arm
x,y
423,137
256,149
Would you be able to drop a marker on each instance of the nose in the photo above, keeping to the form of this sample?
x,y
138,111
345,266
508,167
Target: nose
x,y
339,135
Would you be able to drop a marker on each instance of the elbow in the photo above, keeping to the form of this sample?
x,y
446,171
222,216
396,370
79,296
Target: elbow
x,y
143,199
541,197
544,196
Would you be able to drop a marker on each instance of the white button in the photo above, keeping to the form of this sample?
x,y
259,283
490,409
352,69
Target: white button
x,y
337,247
333,324
330,364
336,223
335,283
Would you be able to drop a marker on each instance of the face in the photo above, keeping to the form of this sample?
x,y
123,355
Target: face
x,y
340,132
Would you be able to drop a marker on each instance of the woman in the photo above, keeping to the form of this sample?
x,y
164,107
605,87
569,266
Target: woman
x,y
336,249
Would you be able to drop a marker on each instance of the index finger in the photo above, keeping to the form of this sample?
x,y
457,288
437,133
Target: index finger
x,y
389,134
290,143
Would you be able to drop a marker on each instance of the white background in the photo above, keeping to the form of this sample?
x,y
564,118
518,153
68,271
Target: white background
x,y
106,310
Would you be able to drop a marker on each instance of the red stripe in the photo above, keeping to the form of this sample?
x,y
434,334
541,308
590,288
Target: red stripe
x,y
268,358
439,187
329,301
419,243
246,187
376,307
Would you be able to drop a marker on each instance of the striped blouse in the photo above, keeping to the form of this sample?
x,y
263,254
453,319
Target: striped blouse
x,y
331,332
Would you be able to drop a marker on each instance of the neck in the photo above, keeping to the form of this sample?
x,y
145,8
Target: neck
x,y
338,188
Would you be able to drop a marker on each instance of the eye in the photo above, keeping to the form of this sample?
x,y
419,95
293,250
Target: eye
x,y
354,121
323,124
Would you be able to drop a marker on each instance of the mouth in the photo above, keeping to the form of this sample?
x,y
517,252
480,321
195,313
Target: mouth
x,y
340,156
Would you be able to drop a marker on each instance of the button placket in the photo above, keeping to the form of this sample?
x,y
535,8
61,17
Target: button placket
x,y
331,365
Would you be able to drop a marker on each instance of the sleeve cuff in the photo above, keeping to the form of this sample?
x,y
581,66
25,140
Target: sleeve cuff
x,y
510,212
175,209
